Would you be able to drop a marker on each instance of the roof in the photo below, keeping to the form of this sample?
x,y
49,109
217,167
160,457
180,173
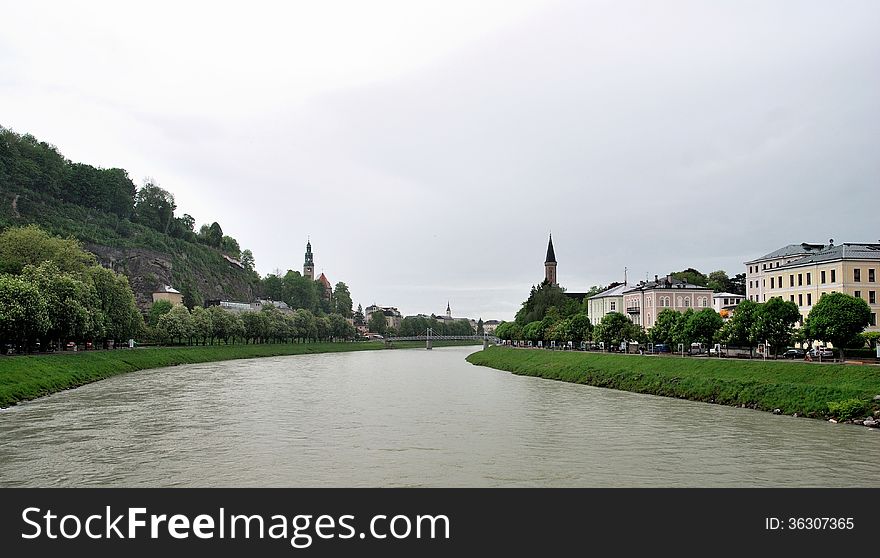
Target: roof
x,y
728,295
613,291
551,255
167,289
790,250
847,250
323,279
667,282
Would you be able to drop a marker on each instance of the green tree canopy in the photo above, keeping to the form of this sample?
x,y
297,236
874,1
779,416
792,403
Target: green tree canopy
x,y
774,323
837,318
31,245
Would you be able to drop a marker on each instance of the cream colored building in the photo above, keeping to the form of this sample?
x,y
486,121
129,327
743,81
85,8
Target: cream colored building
x,y
758,271
849,268
644,301
609,300
169,293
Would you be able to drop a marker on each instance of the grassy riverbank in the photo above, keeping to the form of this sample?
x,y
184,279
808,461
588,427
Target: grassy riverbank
x,y
29,377
792,387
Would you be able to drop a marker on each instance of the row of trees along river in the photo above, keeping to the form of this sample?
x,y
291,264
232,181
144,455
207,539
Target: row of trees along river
x,y
549,315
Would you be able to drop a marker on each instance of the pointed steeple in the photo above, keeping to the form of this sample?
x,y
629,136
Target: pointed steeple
x,y
448,310
309,264
551,255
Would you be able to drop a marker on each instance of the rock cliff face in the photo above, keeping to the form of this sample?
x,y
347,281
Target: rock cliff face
x,y
199,276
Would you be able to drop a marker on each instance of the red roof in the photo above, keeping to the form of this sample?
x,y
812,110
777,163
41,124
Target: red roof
x,y
323,279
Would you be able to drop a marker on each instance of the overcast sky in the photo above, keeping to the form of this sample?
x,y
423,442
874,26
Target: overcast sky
x,y
429,148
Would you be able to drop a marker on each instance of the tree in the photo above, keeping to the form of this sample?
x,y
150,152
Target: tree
x,y
255,326
154,207
541,299
31,245
358,316
719,282
683,331
774,323
220,324
738,284
480,330
157,310
581,327
342,300
247,259
176,324
692,276
340,328
235,328
839,319
202,325
662,331
738,331
377,323
705,325
122,319
72,305
614,329
24,316
230,246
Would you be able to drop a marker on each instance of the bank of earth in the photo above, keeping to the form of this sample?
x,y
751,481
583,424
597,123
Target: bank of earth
x,y
30,376
838,391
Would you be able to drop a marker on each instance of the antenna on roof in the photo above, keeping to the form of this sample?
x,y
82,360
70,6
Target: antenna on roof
x,y
624,275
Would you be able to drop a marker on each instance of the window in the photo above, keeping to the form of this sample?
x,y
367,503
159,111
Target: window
x,y
613,305
834,276
772,282
872,297
791,280
873,320
687,302
809,299
800,300
763,282
857,275
779,281
857,294
871,276
765,266
822,276
777,264
809,279
791,297
800,279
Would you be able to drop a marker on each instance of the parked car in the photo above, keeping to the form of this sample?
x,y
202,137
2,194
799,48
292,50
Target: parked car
x,y
794,353
661,348
822,352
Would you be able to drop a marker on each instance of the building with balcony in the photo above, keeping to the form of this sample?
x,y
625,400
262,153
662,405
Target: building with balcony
x,y
643,302
609,300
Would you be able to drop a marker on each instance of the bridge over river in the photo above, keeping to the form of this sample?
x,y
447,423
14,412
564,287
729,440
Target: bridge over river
x,y
429,339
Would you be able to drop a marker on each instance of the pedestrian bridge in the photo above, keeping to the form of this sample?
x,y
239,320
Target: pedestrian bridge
x,y
429,339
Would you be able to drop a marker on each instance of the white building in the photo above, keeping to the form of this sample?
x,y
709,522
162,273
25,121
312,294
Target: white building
x,y
726,302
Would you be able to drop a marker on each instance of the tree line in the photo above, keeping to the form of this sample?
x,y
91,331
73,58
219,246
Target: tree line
x,y
298,291
176,324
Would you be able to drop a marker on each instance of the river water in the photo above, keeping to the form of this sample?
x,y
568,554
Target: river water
x,y
408,418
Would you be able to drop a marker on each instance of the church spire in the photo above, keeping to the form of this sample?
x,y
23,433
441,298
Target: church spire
x,y
309,265
550,263
448,310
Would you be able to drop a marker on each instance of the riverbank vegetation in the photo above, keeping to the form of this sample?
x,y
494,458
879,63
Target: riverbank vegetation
x,y
819,391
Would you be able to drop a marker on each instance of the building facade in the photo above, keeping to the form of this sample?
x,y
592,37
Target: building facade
x,y
392,315
758,271
643,302
309,264
169,293
850,268
609,300
725,303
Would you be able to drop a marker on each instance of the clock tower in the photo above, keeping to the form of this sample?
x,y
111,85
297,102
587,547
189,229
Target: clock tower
x,y
309,265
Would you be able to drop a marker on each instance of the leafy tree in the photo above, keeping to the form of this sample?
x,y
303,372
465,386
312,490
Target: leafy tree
x,y
377,323
220,324
72,305
175,326
614,329
838,318
683,331
480,330
358,316
738,331
581,327
202,324
255,326
534,331
705,325
157,310
235,328
718,281
154,207
541,299
247,259
342,300
692,276
738,284
871,338
774,323
30,245
122,319
305,324
664,326
24,316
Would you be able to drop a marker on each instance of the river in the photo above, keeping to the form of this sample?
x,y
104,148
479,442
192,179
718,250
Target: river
x,y
408,418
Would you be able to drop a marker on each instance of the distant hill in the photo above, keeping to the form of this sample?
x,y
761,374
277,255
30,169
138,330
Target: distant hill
x,y
133,231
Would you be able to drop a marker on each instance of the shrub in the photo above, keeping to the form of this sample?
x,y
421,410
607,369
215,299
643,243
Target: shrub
x,y
847,409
